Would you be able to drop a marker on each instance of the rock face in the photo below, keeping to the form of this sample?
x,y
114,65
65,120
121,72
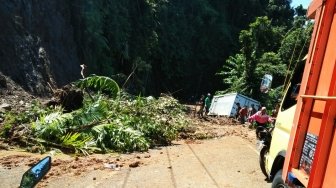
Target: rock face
x,y
37,44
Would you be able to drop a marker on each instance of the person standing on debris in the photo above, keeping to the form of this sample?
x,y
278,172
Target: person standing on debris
x,y
201,104
243,114
252,110
238,109
207,103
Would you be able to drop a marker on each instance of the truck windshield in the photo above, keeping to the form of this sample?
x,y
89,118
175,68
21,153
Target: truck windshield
x,y
293,91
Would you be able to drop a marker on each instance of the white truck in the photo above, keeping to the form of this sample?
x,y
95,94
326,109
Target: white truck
x,y
225,105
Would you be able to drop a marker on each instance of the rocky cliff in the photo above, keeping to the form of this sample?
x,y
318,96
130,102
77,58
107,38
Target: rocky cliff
x,y
37,44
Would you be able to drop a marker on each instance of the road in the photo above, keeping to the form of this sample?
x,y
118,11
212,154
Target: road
x,y
226,162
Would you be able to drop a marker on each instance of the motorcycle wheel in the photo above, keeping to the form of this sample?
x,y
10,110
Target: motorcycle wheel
x,y
262,160
258,130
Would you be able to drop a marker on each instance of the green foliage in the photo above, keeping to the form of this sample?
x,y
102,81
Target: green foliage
x,y
122,124
154,43
294,45
52,126
93,111
13,118
99,83
150,121
125,123
269,46
300,11
120,138
244,71
274,97
280,12
76,140
5,130
233,72
270,63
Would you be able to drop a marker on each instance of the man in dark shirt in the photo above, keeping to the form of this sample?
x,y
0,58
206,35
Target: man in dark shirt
x,y
238,109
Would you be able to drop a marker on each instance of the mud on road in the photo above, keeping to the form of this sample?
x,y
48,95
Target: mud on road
x,y
211,152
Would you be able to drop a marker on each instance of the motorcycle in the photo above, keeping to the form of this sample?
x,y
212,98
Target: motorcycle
x,y
264,135
32,176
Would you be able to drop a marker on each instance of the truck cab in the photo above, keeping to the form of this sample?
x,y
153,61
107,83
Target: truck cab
x,y
275,157
303,145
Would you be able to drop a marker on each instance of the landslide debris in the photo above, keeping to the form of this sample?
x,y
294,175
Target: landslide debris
x,y
210,127
106,120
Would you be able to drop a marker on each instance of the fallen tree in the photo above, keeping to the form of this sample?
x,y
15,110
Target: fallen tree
x,y
107,120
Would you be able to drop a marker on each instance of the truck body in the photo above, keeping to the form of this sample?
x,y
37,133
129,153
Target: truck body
x,y
303,146
225,105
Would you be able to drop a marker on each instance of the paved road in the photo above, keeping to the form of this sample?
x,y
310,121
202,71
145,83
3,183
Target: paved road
x,y
227,162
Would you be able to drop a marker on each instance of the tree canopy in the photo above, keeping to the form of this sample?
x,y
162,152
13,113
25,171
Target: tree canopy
x,y
178,46
267,47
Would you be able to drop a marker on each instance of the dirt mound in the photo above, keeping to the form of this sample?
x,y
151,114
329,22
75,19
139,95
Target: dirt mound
x,y
13,97
209,127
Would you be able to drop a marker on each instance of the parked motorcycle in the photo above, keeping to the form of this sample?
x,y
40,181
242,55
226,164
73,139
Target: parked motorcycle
x,y
32,176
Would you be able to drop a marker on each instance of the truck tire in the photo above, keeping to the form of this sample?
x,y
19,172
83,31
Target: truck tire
x,y
278,182
262,156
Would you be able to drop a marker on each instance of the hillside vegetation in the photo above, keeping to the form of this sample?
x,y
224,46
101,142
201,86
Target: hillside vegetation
x,y
152,46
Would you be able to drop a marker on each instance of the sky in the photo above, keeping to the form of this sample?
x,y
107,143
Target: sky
x,y
305,3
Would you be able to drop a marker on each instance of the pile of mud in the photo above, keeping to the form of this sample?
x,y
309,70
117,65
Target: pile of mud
x,y
208,127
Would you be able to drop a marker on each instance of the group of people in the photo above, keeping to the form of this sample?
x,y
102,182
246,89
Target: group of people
x,y
244,113
251,114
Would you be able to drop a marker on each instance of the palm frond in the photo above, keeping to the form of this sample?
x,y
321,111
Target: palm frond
x,y
100,83
76,140
53,125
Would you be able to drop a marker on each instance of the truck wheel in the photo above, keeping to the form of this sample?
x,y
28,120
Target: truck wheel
x,y
262,160
278,182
